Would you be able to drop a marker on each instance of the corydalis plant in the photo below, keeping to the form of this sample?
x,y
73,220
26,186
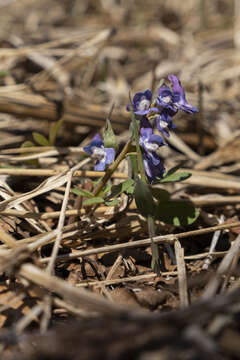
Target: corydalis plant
x,y
147,115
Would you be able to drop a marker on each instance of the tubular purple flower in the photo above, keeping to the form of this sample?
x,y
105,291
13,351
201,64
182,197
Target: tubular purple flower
x,y
96,149
141,103
164,122
179,98
150,142
165,99
151,161
152,171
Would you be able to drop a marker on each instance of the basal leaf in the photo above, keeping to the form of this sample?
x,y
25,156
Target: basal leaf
x,y
175,177
93,201
160,194
82,192
40,139
54,130
176,212
125,186
143,198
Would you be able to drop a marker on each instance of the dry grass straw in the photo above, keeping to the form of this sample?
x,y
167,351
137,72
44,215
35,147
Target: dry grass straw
x,y
182,276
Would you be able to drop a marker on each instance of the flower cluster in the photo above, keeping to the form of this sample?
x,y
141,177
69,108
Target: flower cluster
x,y
159,113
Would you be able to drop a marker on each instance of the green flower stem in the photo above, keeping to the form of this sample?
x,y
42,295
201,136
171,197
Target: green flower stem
x,y
138,149
112,168
155,265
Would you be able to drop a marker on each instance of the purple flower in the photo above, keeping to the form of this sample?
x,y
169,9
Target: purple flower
x,y
178,96
164,122
152,171
141,103
150,143
165,99
151,161
145,123
96,149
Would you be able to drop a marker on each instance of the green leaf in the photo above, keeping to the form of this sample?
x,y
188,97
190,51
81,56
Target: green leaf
x,y
54,130
175,177
40,139
176,212
175,168
93,201
112,203
105,191
160,194
33,162
144,199
82,192
109,138
27,144
125,186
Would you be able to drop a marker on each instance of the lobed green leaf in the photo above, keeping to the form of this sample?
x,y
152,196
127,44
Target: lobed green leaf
x,y
160,194
176,212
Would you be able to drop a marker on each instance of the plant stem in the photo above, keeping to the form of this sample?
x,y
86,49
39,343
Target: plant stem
x,y
138,149
155,264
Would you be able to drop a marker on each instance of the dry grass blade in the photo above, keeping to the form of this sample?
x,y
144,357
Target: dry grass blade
x,y
35,156
47,185
223,269
141,278
57,242
27,319
7,193
182,276
213,245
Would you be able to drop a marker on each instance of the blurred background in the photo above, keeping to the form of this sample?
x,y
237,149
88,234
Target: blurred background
x,y
74,58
